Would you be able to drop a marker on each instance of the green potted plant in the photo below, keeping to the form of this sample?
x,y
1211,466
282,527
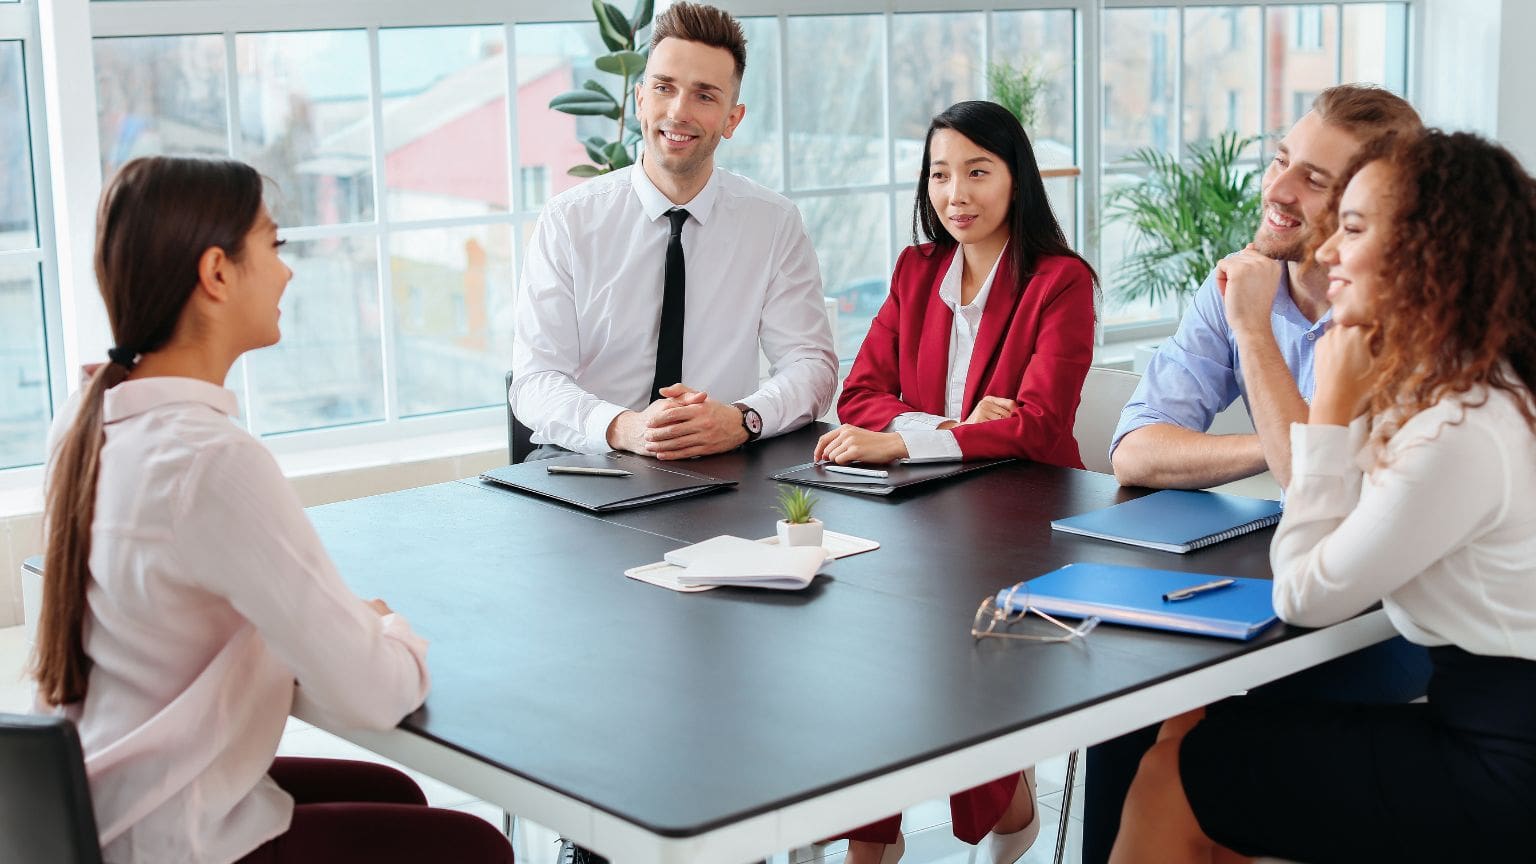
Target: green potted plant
x,y
1020,89
626,59
1186,215
798,527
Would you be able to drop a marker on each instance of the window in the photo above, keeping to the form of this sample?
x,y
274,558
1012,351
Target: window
x,y
26,388
411,148
1251,69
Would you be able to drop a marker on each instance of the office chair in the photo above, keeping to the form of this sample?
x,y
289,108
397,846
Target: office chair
x,y
45,804
519,437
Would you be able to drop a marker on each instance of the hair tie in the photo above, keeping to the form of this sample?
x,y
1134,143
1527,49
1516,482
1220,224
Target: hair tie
x,y
124,357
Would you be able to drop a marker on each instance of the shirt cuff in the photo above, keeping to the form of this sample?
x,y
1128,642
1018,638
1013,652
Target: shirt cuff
x,y
934,445
1321,450
596,427
915,421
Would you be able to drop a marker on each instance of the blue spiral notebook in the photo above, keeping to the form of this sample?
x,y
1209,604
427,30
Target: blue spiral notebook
x,y
1174,520
1134,596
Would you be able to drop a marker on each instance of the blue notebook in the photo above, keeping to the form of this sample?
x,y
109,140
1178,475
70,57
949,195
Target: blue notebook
x,y
1174,520
1134,596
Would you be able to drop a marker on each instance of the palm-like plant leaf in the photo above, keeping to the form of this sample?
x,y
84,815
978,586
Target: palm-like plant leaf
x,y
1185,216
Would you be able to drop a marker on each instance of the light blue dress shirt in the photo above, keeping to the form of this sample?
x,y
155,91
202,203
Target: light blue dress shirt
x,y
1197,373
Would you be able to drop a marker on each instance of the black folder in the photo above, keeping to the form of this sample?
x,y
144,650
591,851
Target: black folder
x,y
649,481
899,476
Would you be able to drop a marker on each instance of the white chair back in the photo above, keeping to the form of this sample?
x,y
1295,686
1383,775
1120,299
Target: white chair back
x,y
1105,392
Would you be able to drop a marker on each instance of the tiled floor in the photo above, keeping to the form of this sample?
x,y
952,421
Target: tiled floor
x,y
928,836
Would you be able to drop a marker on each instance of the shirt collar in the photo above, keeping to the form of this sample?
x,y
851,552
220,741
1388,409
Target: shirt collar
x,y
949,288
656,204
145,394
1286,308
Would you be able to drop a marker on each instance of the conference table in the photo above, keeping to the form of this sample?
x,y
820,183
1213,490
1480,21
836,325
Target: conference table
x,y
723,726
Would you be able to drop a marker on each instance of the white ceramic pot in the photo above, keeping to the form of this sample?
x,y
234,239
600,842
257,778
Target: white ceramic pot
x,y
800,534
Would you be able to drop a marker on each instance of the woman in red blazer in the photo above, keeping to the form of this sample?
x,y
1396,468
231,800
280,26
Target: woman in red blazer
x,y
980,351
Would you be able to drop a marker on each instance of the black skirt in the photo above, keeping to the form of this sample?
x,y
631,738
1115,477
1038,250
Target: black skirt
x,y
1453,779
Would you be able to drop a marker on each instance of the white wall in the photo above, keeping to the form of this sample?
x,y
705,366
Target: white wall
x,y
1478,67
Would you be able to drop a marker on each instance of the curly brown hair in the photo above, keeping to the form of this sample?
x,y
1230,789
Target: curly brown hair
x,y
1457,304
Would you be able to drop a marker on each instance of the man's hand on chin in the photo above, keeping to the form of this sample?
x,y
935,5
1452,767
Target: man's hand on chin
x,y
1248,281
693,425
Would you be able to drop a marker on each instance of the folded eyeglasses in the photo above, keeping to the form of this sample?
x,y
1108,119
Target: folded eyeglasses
x,y
998,612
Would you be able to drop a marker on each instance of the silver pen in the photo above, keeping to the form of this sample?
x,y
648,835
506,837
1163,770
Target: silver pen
x,y
857,472
591,472
1186,593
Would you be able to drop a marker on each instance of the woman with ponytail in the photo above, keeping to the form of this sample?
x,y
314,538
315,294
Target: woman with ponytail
x,y
185,592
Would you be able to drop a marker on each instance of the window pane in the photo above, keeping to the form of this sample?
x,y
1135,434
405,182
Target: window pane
x,y
453,316
18,213
837,118
305,122
1301,61
1138,110
849,233
1221,72
1042,42
756,150
325,371
551,59
1376,45
935,62
1138,70
445,121
160,95
24,399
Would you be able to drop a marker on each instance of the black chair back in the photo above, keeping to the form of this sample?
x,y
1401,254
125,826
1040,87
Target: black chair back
x,y
45,804
519,437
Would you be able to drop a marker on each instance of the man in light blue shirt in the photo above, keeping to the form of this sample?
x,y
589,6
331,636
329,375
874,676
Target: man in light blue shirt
x,y
1253,328
1252,332
1198,373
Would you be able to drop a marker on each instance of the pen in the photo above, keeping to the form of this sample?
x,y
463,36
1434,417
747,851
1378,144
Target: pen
x,y
1186,593
592,472
858,472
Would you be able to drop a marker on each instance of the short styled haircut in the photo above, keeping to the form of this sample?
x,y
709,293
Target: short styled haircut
x,y
1367,112
695,22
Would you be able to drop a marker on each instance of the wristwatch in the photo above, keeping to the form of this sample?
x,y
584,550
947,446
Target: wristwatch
x,y
750,421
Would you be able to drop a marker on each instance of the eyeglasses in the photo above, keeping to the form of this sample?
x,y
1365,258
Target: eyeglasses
x,y
996,614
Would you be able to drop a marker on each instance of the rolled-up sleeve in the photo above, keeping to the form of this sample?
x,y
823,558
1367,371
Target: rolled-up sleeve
x,y
1192,378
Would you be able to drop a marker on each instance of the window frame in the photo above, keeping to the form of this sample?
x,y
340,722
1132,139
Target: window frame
x,y
62,252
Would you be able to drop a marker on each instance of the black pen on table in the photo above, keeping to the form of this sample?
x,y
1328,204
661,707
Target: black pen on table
x,y
1193,590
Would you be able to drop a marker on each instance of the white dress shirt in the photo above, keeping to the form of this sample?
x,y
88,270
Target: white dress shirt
x,y
589,308
919,431
1443,533
210,594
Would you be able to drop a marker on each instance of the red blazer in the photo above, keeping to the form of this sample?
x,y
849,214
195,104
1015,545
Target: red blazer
x,y
1042,359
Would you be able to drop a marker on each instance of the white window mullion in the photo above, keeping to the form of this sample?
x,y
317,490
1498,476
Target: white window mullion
x,y
385,276
69,94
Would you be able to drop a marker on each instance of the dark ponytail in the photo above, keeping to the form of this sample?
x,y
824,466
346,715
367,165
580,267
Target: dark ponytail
x,y
157,218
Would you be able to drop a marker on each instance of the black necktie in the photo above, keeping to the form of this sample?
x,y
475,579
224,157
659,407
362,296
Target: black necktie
x,y
669,342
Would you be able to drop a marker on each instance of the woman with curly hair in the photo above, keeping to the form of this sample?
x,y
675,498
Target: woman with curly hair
x,y
1409,488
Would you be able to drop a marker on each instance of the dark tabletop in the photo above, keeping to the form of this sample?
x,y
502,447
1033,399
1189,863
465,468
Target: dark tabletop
x,y
685,712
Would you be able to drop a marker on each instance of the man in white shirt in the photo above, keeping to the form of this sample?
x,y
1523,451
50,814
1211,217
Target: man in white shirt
x,y
611,350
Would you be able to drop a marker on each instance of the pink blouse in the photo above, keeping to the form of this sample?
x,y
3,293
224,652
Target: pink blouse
x,y
210,598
